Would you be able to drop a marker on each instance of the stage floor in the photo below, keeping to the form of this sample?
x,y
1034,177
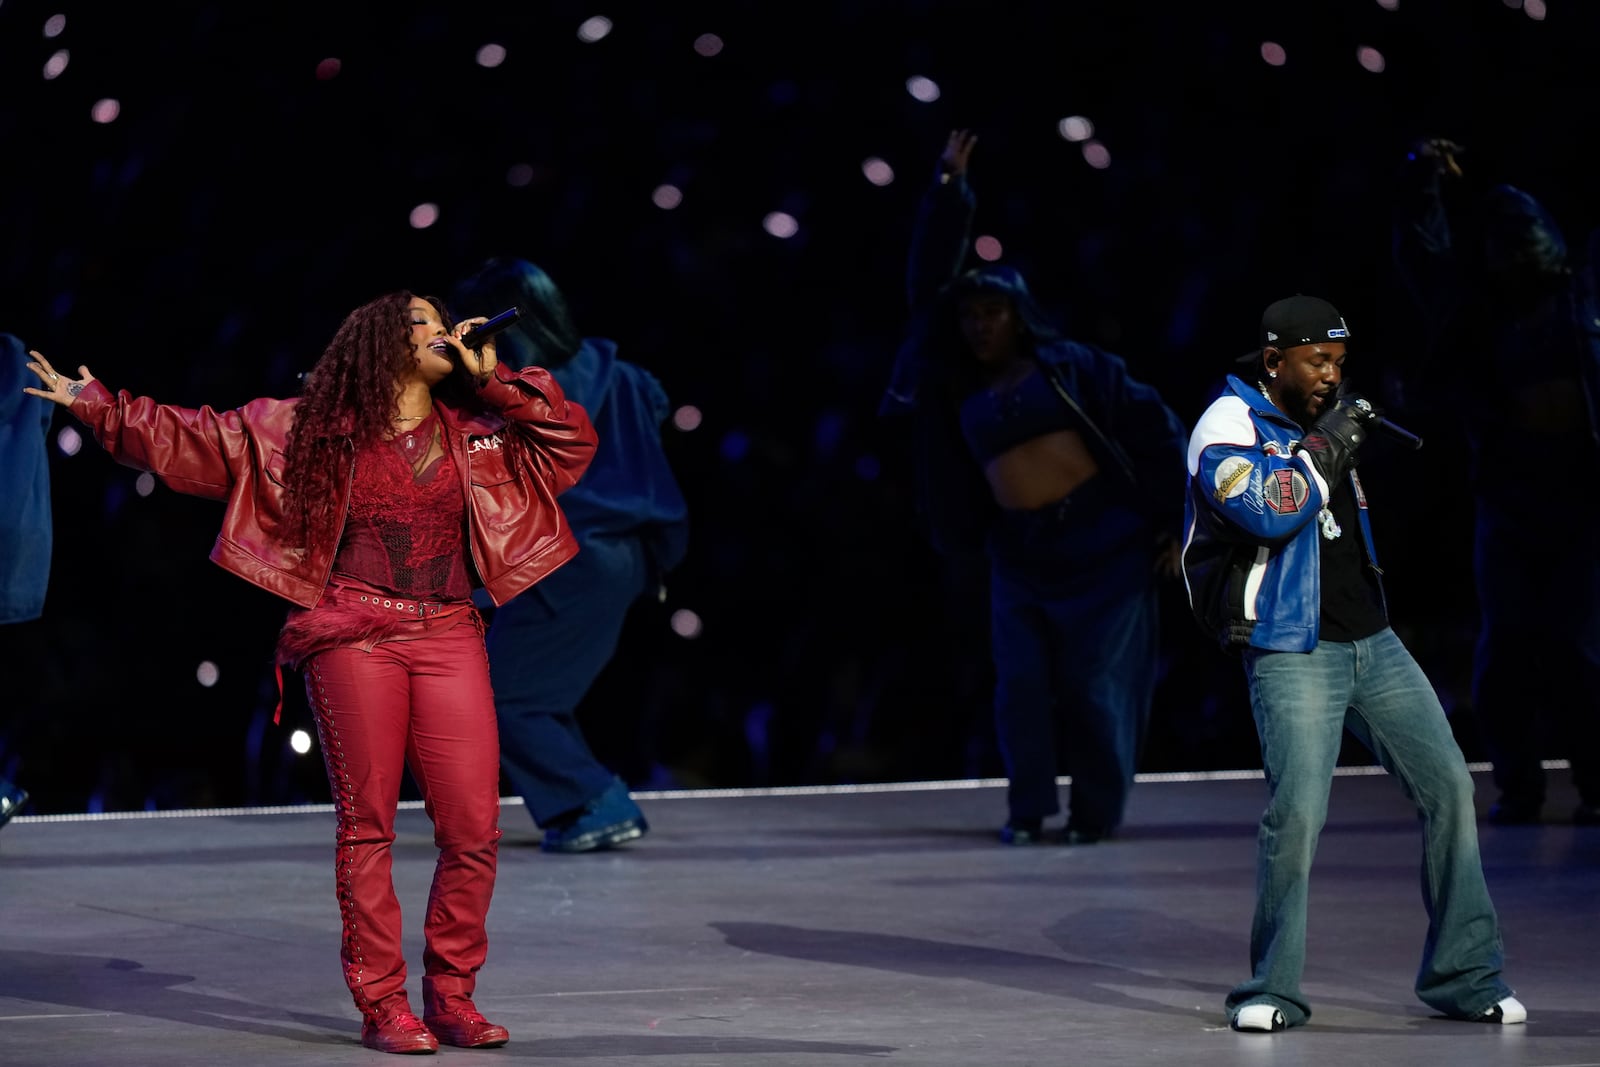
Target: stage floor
x,y
809,928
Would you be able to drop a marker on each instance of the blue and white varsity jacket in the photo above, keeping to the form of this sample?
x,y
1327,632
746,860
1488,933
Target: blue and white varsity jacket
x,y
1251,551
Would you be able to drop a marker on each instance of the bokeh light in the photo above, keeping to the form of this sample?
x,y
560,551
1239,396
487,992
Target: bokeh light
x,y
666,197
1096,155
329,69
780,224
1274,55
988,248
54,25
105,111
424,215
519,175
594,29
686,624
1389,5
300,741
1075,128
1370,59
708,44
491,55
145,484
924,89
877,171
69,440
686,418
207,673
1534,9
56,65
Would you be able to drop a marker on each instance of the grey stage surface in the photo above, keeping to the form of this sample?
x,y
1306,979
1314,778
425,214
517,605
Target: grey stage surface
x,y
815,929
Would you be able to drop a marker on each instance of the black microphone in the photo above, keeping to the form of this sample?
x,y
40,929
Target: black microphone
x,y
1396,433
475,337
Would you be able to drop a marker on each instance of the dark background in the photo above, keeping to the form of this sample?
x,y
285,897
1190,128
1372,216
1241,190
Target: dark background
x,y
203,248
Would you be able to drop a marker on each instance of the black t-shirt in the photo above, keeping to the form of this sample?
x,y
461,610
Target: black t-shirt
x,y
1352,604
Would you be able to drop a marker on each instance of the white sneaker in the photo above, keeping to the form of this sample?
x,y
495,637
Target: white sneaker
x,y
1263,1018
1508,1012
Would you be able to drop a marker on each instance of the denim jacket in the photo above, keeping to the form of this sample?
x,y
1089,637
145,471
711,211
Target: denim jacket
x,y
1251,547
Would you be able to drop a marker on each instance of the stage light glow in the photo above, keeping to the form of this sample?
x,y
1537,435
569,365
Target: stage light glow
x,y
593,29
424,215
1274,55
56,65
1370,59
207,673
300,741
780,224
924,89
1389,5
105,111
988,248
329,69
708,44
519,175
69,441
1534,9
54,25
686,624
666,197
145,484
1096,155
877,171
687,418
1075,128
491,55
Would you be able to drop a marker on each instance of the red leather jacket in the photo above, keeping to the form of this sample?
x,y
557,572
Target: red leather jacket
x,y
516,531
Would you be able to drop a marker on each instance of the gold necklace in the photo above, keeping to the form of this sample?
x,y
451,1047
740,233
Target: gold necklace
x,y
408,418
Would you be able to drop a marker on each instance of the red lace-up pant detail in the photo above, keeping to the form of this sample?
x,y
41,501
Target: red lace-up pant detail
x,y
425,703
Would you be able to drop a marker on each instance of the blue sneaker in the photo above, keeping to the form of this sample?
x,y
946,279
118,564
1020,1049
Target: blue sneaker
x,y
608,820
11,800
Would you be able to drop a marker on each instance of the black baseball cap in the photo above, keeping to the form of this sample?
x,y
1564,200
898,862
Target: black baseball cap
x,y
1298,320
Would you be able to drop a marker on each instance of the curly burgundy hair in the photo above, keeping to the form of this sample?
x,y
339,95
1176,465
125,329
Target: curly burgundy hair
x,y
348,401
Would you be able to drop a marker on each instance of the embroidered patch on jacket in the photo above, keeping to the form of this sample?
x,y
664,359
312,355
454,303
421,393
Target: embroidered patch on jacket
x,y
1232,477
1286,491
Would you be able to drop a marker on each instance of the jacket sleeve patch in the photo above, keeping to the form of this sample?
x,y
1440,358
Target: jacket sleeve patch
x,y
1286,491
1232,477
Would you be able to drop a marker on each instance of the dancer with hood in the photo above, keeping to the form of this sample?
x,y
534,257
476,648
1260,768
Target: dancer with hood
x,y
1517,317
1068,473
547,648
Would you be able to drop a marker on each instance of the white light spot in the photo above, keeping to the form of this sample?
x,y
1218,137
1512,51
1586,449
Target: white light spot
x,y
55,65
519,175
780,224
1370,58
69,440
1096,155
1075,128
207,673
708,44
877,171
145,484
686,624
300,741
54,25
1513,4
1534,9
593,29
687,418
424,215
924,89
1274,55
666,197
328,69
988,248
491,55
1389,5
105,111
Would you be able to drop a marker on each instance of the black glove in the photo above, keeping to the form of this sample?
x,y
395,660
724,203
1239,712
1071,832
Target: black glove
x,y
1338,432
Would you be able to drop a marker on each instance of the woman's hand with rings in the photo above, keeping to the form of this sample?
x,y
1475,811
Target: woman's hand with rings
x,y
55,387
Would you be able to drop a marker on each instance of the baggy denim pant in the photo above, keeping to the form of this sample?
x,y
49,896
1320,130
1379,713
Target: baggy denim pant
x,y
1302,703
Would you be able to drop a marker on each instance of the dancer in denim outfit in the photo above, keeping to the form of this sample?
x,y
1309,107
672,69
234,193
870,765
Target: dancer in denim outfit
x,y
1280,568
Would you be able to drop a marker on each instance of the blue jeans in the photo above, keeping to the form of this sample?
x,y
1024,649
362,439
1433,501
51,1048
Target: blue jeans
x,y
1302,703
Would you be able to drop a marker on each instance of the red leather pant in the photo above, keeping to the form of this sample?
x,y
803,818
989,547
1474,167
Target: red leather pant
x,y
423,702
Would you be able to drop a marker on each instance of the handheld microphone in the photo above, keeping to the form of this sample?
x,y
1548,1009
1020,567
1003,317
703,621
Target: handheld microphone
x,y
1397,433
479,334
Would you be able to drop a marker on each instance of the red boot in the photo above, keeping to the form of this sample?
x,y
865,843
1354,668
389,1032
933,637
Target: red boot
x,y
465,1028
400,1032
